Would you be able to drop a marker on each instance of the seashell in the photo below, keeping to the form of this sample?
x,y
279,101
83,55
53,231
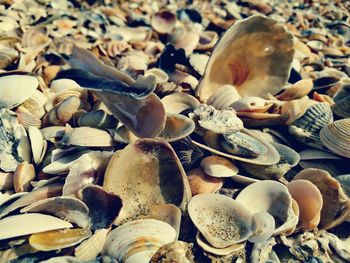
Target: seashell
x,y
217,166
58,85
257,119
104,207
263,49
323,84
98,119
163,21
10,196
65,94
177,251
336,137
35,37
183,38
35,104
160,75
244,180
295,109
264,225
308,127
22,177
341,108
33,196
53,132
7,56
201,183
133,63
242,145
251,104
271,197
137,241
199,62
14,253
183,79
86,169
223,97
178,102
67,108
91,247
296,91
116,47
58,239
288,159
37,144
87,136
187,152
142,181
206,246
6,181
133,34
315,154
27,119
310,203
218,121
207,40
67,208
336,204
220,219
15,89
20,225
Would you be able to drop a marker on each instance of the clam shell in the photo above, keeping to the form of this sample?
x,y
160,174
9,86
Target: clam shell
x,y
201,183
271,197
15,89
220,219
183,38
137,241
163,21
199,62
67,208
297,90
22,177
336,204
146,177
57,85
217,166
177,251
251,104
223,97
336,137
37,144
268,44
20,225
310,203
264,227
269,158
98,119
87,136
160,75
178,102
91,247
58,239
6,181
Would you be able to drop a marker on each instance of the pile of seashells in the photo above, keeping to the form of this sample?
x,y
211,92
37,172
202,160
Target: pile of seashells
x,y
174,131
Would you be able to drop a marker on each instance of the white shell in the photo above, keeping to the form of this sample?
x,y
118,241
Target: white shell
x,y
274,198
25,224
90,248
178,102
136,241
37,143
218,166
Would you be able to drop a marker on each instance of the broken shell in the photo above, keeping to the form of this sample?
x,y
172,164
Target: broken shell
x,y
336,204
98,119
288,159
151,162
310,203
217,166
223,97
342,107
163,21
22,177
177,251
297,90
20,225
137,241
264,225
178,102
201,183
183,38
58,239
27,119
15,89
86,136
91,247
7,56
268,41
65,207
220,219
336,137
271,197
242,145
251,104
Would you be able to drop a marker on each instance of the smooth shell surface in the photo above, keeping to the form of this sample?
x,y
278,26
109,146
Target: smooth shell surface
x,y
201,183
217,166
254,71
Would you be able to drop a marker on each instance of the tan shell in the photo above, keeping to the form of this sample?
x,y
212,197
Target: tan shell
x,y
161,76
336,137
251,104
336,204
310,203
201,183
91,247
297,90
207,40
217,166
146,177
178,102
163,21
256,68
223,97
183,38
177,251
22,177
6,181
296,108
87,136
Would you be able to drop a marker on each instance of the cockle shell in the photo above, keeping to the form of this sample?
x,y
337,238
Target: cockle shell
x,y
20,225
27,119
271,197
310,203
137,241
217,166
269,45
146,178
296,108
220,219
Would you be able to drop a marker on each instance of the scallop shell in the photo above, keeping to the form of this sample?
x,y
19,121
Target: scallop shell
x,y
146,178
220,219
310,203
201,183
217,166
137,241
336,137
163,21
20,225
336,204
269,45
271,197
